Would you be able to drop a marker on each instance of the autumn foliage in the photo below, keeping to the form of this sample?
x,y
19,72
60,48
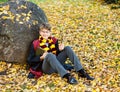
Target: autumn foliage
x,y
93,31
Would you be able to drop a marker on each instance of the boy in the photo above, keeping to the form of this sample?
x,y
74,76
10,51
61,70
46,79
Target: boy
x,y
52,60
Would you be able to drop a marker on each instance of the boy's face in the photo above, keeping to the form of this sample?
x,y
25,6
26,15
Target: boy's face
x,y
45,33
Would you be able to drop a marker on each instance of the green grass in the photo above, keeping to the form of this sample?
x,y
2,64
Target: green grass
x,y
2,1
37,1
34,1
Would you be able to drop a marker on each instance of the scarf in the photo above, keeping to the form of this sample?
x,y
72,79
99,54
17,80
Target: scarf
x,y
47,44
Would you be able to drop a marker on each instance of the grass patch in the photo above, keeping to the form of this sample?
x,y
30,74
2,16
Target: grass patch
x,y
3,1
34,1
37,1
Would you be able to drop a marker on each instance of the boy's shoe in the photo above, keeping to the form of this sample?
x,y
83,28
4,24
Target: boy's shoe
x,y
30,75
72,80
83,74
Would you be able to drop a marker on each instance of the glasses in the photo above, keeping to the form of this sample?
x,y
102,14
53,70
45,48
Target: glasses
x,y
45,31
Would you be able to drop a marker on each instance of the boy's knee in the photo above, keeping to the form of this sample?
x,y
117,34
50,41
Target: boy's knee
x,y
67,47
50,55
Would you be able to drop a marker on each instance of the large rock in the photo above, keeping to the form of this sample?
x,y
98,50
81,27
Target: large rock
x,y
19,22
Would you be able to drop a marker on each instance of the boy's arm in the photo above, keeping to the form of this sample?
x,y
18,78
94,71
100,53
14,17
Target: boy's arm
x,y
57,47
32,58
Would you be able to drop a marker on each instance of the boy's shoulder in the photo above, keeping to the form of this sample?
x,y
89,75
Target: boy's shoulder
x,y
36,43
54,39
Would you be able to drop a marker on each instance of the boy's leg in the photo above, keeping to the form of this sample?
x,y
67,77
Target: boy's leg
x,y
51,65
68,53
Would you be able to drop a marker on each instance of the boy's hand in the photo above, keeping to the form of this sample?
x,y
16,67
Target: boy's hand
x,y
61,46
43,56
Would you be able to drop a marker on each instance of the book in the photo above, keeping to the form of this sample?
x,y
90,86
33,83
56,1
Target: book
x,y
39,51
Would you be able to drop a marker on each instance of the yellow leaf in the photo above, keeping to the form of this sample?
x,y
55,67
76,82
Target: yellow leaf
x,y
28,14
27,18
5,12
1,9
23,14
6,7
17,19
1,13
22,6
29,25
5,17
35,22
18,15
21,22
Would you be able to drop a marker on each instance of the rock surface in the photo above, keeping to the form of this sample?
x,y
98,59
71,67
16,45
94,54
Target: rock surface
x,y
19,21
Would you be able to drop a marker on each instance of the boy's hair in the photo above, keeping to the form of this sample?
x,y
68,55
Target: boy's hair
x,y
45,26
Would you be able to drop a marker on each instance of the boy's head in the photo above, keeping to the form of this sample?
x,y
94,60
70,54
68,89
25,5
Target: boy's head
x,y
45,30
45,26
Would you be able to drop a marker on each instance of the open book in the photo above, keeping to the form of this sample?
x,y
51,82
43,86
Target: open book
x,y
39,51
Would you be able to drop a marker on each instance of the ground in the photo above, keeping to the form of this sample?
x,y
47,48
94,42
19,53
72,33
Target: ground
x,y
92,29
